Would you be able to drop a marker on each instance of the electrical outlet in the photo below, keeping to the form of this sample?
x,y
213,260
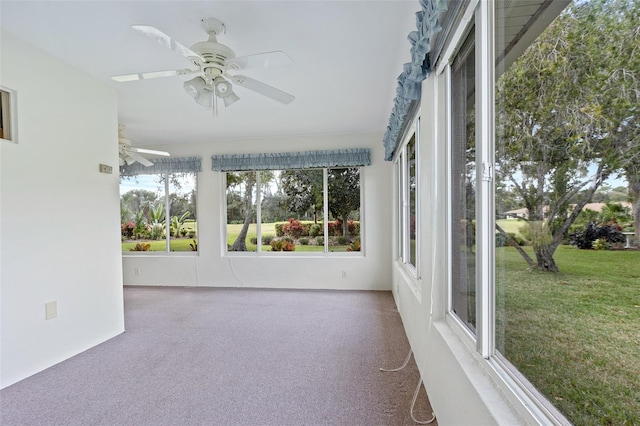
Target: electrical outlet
x,y
136,271
50,310
344,274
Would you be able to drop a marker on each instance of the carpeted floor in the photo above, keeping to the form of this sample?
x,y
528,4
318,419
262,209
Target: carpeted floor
x,y
206,356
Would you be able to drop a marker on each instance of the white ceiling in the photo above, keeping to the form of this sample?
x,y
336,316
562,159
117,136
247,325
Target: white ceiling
x,y
347,55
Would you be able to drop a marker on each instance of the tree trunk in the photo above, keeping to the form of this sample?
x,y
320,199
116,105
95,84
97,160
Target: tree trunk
x,y
240,244
634,195
515,245
345,226
544,257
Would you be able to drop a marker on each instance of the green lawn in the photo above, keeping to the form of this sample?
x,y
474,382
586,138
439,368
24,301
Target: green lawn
x,y
269,229
511,225
180,244
575,334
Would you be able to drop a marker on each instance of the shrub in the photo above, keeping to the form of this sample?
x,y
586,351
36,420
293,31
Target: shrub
x,y
266,239
293,228
355,246
354,228
610,232
253,240
282,245
141,247
304,241
319,241
278,227
127,229
343,240
156,231
315,230
600,244
335,228
191,234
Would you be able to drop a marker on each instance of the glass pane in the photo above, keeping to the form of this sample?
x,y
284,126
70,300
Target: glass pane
x,y
298,226
344,209
182,206
413,190
142,213
567,313
241,211
463,191
400,201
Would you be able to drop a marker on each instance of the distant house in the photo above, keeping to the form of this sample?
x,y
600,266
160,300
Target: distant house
x,y
522,213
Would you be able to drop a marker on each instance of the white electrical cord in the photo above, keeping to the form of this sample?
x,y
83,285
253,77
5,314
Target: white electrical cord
x,y
233,272
404,364
413,403
415,394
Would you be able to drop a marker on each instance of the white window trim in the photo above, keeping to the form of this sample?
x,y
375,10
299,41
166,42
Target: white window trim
x,y
259,253
522,395
10,107
167,252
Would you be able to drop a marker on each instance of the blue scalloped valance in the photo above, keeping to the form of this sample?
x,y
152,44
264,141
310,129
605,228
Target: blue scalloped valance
x,y
292,160
410,81
164,165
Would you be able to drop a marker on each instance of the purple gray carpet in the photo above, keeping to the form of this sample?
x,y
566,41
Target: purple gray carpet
x,y
207,356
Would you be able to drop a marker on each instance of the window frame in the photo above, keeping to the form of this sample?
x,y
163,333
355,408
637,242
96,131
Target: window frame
x,y
258,201
525,398
167,251
9,106
403,202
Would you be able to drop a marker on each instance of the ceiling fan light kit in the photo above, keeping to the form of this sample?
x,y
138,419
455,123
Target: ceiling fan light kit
x,y
213,60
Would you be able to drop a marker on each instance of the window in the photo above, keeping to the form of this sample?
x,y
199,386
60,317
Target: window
x,y
294,210
158,212
463,190
541,124
407,172
8,112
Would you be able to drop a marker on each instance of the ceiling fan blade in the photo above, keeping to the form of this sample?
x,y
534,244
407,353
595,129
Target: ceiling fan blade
x,y
153,74
140,159
262,88
260,60
150,151
165,40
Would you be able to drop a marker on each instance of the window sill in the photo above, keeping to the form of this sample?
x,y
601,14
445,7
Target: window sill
x,y
160,254
293,255
409,277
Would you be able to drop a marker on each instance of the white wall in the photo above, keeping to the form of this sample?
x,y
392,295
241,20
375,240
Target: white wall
x,y
59,217
212,267
462,390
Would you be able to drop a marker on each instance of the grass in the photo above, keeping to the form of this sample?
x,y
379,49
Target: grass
x,y
269,229
576,334
511,225
181,244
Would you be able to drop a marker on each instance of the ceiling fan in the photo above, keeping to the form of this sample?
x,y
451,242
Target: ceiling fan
x,y
129,155
213,61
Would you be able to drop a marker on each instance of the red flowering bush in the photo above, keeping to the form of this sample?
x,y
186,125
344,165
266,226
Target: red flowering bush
x,y
294,228
126,229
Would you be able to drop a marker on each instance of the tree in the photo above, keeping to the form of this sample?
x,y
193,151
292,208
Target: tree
x,y
303,189
343,194
136,200
563,130
246,182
